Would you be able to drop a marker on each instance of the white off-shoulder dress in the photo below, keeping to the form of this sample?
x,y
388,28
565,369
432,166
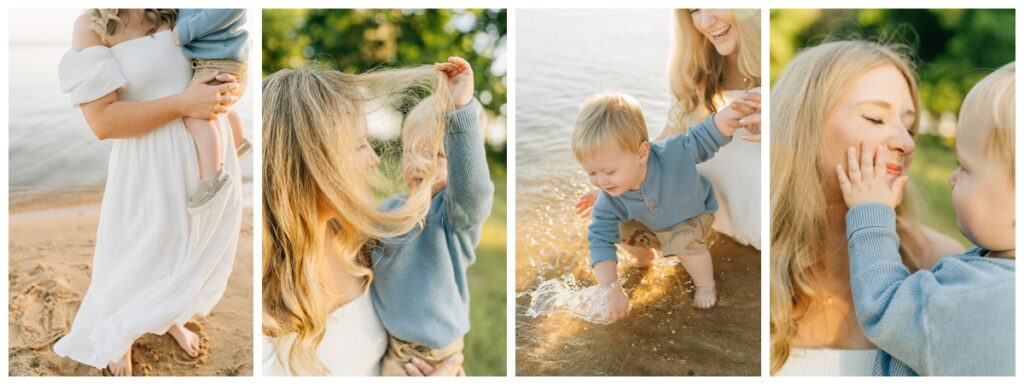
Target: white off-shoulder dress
x,y
154,265
353,344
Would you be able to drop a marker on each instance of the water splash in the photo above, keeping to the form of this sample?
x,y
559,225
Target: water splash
x,y
567,295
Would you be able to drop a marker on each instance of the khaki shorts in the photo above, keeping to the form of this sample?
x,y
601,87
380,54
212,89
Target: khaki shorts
x,y
684,238
203,67
400,352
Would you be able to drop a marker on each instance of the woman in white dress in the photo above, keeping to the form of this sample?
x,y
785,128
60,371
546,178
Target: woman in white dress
x,y
155,266
829,98
320,217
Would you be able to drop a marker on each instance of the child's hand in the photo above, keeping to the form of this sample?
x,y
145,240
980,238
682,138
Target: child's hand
x,y
867,181
618,303
460,75
174,34
585,204
745,111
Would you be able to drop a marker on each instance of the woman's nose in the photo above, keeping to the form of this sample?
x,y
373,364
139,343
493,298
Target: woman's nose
x,y
902,142
705,20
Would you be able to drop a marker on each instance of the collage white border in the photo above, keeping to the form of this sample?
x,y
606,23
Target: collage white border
x,y
255,7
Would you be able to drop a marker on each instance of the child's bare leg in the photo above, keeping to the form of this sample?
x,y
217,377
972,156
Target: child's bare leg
x,y
235,120
703,273
208,150
642,256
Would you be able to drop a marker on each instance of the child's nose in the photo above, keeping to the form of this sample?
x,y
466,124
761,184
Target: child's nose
x,y
952,178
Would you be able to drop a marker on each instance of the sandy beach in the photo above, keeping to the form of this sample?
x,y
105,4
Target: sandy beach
x,y
51,246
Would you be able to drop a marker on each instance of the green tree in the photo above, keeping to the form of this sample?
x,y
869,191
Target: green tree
x,y
360,40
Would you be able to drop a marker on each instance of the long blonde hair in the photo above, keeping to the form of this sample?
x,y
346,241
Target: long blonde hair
x,y
310,163
696,70
106,22
808,89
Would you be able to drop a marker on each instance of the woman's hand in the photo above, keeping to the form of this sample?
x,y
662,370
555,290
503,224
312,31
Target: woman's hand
x,y
752,122
866,181
451,366
585,204
460,75
745,111
204,101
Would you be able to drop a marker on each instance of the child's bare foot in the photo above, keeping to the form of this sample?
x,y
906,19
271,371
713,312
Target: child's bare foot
x,y
705,297
122,367
187,340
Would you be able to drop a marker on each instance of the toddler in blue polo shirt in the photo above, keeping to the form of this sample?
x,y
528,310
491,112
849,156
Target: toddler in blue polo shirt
x,y
655,184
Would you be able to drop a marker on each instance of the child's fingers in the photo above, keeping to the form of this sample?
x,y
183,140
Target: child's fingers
x,y
881,158
844,181
459,63
854,167
867,159
753,97
744,107
897,186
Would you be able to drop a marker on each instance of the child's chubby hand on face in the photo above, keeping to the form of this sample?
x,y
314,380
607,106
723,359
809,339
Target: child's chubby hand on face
x,y
744,112
460,75
867,178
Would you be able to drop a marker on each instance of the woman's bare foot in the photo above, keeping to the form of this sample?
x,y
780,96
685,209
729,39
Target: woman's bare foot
x,y
122,367
705,297
187,340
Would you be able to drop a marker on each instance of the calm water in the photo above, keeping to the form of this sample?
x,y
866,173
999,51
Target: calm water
x,y
562,58
51,146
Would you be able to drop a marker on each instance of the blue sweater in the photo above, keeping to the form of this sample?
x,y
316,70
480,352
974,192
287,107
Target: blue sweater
x,y
671,192
419,286
213,34
956,319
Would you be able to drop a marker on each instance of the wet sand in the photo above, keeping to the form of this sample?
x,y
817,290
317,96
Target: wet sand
x,y
663,335
51,245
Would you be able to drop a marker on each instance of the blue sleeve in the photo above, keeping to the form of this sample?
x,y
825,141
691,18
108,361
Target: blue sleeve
x,y
603,232
701,140
204,22
914,317
470,192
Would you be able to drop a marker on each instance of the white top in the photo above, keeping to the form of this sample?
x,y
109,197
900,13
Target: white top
x,y
154,264
828,362
353,345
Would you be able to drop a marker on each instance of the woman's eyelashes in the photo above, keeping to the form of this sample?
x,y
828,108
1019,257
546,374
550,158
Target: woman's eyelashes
x,y
874,121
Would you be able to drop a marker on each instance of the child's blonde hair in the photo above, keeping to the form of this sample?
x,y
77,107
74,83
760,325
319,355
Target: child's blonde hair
x,y
106,21
810,86
990,106
696,70
608,119
310,117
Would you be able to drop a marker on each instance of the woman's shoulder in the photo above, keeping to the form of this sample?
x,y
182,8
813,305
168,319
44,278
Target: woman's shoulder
x,y
83,35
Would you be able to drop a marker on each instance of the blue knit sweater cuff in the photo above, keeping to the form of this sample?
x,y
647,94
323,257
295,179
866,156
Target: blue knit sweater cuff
x,y
463,119
870,216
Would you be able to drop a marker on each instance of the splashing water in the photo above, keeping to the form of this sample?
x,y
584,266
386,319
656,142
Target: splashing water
x,y
565,294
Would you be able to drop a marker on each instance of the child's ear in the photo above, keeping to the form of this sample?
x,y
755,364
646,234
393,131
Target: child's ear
x,y
645,151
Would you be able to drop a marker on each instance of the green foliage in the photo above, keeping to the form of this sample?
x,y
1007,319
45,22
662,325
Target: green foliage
x,y
359,40
485,344
955,48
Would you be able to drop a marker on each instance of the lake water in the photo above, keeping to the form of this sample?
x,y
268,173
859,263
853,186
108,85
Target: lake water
x,y
52,149
562,57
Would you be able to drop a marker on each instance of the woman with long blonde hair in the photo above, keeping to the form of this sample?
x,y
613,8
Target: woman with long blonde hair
x,y
321,216
715,58
155,266
831,97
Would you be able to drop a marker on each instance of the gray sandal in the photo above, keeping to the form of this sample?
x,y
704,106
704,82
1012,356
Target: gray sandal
x,y
207,191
